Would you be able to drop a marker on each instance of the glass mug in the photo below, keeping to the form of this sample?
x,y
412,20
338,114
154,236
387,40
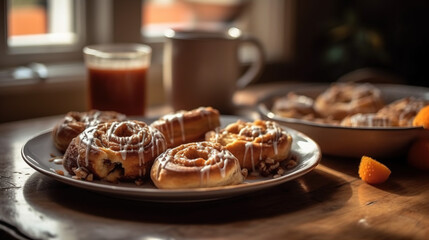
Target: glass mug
x,y
117,77
202,68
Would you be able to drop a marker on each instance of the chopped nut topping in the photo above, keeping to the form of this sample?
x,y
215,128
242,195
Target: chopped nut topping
x,y
276,169
291,164
54,157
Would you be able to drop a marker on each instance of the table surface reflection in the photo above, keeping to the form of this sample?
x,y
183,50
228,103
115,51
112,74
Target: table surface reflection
x,y
331,202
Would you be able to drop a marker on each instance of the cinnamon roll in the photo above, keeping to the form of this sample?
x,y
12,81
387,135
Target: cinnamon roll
x,y
75,122
294,106
402,111
187,126
254,142
196,165
300,107
114,151
343,99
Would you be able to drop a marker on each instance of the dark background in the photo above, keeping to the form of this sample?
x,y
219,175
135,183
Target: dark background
x,y
335,37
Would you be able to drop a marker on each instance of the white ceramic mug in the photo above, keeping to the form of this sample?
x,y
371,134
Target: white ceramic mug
x,y
202,68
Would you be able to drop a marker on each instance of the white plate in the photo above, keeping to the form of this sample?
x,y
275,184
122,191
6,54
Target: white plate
x,y
377,142
37,152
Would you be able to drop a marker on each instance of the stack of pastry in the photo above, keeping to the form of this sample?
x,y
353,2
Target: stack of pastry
x,y
186,149
350,105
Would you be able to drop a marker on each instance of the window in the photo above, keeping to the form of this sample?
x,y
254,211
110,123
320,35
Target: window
x,y
27,18
36,23
41,30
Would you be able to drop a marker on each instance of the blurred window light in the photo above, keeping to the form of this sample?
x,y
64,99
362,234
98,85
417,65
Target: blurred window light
x,y
270,21
40,22
160,15
234,32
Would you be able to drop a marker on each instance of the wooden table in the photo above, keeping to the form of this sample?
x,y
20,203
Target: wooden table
x,y
331,202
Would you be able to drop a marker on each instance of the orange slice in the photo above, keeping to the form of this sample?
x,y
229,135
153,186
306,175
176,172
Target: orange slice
x,y
372,171
418,154
422,118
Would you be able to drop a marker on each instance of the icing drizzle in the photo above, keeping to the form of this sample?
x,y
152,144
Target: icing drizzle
x,y
180,117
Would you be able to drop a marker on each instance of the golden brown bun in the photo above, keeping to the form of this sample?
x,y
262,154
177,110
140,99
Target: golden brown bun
x,y
301,107
402,112
75,122
187,126
253,142
196,165
343,99
294,106
115,151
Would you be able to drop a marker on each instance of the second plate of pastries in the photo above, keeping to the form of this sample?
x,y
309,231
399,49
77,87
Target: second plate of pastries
x,y
350,119
184,156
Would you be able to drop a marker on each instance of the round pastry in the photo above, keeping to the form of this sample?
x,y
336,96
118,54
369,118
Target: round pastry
x,y
343,99
254,142
75,122
114,151
187,126
294,106
366,120
402,112
196,165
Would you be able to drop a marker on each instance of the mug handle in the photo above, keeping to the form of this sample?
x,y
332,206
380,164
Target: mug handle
x,y
256,67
